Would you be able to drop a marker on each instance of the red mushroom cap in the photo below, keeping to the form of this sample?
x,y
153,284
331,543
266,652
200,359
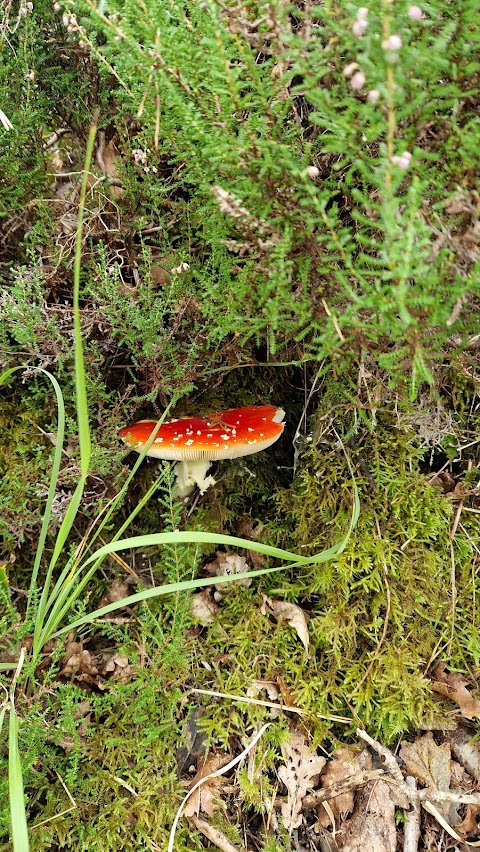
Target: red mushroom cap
x,y
224,435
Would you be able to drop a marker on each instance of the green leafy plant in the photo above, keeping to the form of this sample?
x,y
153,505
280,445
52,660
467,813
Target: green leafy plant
x,y
297,135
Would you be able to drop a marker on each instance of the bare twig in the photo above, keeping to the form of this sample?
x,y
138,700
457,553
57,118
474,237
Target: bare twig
x,y
359,779
214,835
411,834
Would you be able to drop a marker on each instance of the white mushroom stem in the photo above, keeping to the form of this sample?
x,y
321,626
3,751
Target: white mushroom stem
x,y
191,473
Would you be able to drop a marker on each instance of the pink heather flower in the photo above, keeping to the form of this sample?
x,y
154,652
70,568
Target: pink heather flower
x,y
313,172
358,81
394,42
373,96
403,161
415,13
359,28
350,68
362,13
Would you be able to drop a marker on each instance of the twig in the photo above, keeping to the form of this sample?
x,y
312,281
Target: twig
x,y
388,759
411,834
214,835
216,774
404,792
358,779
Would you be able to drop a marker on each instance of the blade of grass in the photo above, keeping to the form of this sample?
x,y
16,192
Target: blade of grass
x,y
59,611
81,402
15,786
167,589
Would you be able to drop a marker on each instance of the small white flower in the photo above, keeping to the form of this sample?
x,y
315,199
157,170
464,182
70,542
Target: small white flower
x,y
177,270
415,13
350,68
358,81
359,28
5,121
313,172
362,13
373,96
394,42
402,161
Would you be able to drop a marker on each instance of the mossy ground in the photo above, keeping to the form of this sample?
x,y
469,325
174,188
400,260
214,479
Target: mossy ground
x,y
388,370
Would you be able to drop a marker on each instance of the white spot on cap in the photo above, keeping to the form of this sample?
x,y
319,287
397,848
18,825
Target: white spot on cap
x,y
250,429
189,442
209,434
199,431
225,437
158,441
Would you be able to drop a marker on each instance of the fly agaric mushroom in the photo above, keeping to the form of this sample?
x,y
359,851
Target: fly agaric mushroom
x,y
194,442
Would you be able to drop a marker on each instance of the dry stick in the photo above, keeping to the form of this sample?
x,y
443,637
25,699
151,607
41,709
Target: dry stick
x,y
358,779
411,833
214,835
406,793
216,774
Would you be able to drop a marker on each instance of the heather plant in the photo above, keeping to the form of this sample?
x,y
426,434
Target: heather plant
x,y
315,145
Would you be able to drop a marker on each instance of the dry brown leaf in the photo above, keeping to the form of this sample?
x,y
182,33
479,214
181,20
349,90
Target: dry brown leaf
x,y
372,827
204,608
203,798
469,826
466,752
117,590
300,774
292,614
343,764
454,687
428,762
431,764
246,529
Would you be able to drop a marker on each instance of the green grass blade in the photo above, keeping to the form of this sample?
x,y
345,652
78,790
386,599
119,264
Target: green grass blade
x,y
80,385
15,785
66,601
129,478
167,589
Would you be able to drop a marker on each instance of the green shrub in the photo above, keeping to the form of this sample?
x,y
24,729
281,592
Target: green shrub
x,y
318,166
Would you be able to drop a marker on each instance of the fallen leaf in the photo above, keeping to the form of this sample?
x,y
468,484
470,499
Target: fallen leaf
x,y
431,764
300,774
428,762
291,613
343,764
117,590
372,827
204,608
246,529
466,752
203,799
469,826
454,687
